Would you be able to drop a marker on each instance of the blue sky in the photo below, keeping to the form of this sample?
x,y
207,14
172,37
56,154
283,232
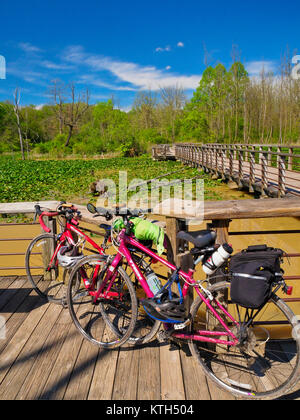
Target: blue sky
x,y
121,47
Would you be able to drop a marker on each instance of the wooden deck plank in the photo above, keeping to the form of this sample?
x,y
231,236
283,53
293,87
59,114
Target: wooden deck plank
x,y
16,310
172,386
14,347
8,298
80,380
60,374
36,379
37,328
149,372
46,358
5,282
195,381
102,381
126,376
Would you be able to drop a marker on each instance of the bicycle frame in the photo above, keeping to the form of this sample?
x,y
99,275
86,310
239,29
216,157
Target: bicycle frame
x,y
67,236
204,335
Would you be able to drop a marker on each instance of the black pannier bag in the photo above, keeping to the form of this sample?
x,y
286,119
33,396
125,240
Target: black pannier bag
x,y
252,272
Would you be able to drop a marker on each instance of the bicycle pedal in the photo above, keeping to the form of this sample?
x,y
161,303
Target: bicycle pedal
x,y
64,303
182,325
163,336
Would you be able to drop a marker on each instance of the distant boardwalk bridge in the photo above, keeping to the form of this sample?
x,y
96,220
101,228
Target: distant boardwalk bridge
x,y
272,170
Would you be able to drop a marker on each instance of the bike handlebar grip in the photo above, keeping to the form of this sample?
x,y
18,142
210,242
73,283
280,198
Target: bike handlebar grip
x,y
44,227
38,209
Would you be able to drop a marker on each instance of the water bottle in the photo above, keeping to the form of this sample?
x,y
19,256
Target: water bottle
x,y
153,281
217,259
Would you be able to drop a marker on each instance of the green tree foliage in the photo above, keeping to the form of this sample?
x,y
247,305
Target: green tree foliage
x,y
227,106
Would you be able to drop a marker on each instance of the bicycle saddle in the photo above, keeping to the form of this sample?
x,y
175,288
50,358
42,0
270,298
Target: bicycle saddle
x,y
200,238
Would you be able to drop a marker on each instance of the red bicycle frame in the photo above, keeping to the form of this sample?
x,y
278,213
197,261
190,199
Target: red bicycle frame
x,y
200,335
67,236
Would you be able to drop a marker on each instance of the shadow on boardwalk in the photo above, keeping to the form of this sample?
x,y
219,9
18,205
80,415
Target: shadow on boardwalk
x,y
44,357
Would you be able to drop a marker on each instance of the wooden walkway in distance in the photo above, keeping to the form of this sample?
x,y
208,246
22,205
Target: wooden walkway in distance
x,y
271,170
44,357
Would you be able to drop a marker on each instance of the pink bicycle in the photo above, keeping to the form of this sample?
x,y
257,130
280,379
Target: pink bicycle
x,y
250,353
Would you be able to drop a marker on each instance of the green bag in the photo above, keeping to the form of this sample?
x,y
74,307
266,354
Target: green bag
x,y
144,231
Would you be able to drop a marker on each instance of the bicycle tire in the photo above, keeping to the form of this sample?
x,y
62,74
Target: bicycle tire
x,y
51,286
92,324
211,357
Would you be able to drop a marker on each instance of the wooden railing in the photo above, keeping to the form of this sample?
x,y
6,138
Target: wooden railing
x,y
163,152
217,214
272,170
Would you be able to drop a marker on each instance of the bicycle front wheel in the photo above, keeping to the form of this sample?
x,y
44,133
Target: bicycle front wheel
x,y
117,303
265,364
48,279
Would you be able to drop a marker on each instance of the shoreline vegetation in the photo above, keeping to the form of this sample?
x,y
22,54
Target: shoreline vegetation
x,y
71,179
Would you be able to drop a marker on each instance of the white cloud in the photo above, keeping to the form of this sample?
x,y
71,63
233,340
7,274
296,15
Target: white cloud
x,y
29,76
168,68
96,81
180,44
255,68
53,66
136,75
29,48
161,49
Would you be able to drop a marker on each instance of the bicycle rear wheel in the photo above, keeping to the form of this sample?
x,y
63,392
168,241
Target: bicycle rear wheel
x,y
119,308
265,363
49,282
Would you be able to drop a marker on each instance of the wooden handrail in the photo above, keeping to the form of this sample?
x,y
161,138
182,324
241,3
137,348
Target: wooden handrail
x,y
259,168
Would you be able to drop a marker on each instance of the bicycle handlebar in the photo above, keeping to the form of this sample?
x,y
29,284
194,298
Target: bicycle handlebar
x,y
69,212
118,211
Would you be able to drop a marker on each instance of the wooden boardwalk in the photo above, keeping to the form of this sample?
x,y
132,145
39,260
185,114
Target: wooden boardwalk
x,y
265,169
44,357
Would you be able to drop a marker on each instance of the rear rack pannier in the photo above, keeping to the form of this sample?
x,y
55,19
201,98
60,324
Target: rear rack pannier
x,y
252,272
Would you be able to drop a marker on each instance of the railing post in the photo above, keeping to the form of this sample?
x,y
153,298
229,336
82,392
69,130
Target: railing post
x,y
241,174
194,156
270,156
252,171
281,176
230,163
48,250
264,173
290,159
216,159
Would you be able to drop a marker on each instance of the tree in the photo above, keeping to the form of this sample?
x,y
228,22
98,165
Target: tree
x,y
56,91
173,100
239,80
69,114
17,96
144,106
